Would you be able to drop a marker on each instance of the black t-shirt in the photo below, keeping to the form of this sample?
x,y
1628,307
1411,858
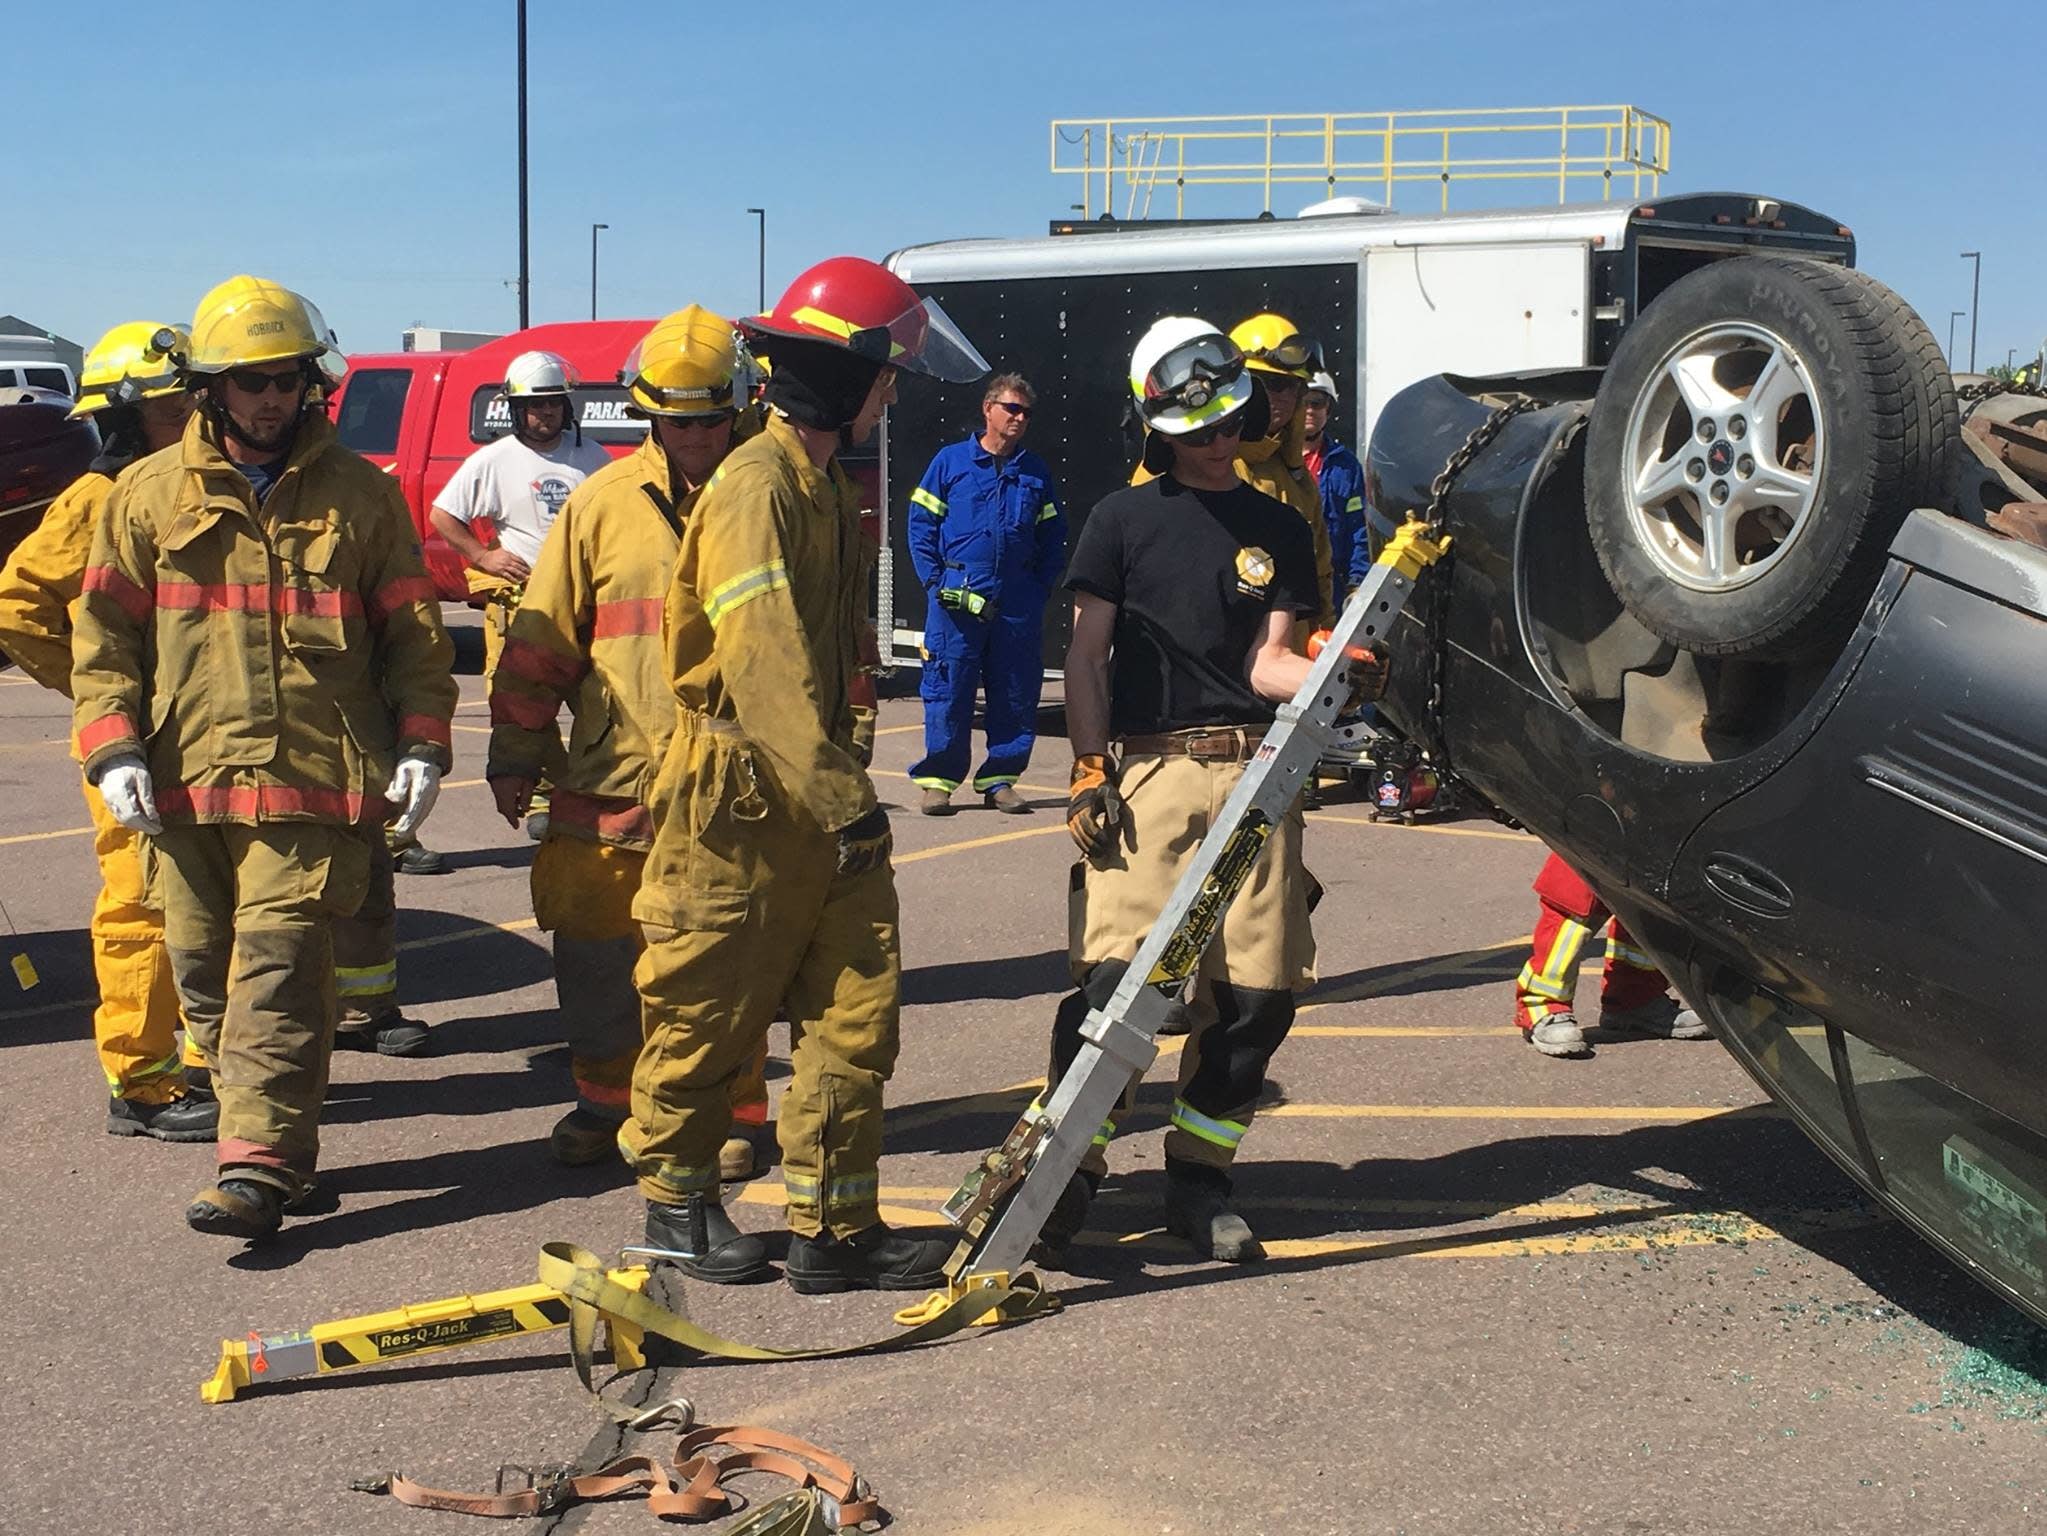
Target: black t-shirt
x,y
1193,575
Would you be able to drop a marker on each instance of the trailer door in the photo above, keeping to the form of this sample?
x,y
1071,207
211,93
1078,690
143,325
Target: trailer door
x,y
1432,309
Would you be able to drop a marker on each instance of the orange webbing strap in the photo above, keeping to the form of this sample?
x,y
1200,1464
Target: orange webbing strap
x,y
689,1488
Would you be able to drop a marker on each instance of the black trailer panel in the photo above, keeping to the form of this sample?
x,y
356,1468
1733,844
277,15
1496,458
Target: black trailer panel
x,y
1072,338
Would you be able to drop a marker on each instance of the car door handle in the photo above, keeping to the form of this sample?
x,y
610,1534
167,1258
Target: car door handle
x,y
1746,884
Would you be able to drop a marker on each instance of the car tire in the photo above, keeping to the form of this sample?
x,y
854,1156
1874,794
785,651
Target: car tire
x,y
1762,431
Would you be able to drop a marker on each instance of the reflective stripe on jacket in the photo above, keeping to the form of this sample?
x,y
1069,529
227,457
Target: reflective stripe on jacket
x,y
272,663
762,616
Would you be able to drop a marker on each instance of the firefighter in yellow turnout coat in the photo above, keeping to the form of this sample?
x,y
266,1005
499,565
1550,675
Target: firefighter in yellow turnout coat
x,y
769,886
129,385
588,632
259,672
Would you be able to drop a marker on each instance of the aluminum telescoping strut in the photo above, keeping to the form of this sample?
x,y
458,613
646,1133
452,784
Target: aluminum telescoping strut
x,y
1003,1203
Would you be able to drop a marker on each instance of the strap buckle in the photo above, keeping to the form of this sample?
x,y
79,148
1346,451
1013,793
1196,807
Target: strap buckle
x,y
550,1483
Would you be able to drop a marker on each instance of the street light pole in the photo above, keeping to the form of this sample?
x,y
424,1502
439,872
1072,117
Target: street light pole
x,y
1952,316
762,215
1975,292
525,269
593,267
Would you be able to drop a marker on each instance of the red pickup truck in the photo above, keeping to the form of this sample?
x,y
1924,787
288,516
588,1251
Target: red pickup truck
x,y
420,414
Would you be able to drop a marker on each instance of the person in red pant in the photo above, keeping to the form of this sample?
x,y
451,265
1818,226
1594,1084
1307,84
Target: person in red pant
x,y
1634,995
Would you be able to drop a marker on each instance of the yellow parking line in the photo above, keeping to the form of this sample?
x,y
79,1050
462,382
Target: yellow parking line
x,y
897,730
978,842
43,837
1398,1031
480,930
473,730
1691,1231
1629,1112
1441,966
1421,826
43,1010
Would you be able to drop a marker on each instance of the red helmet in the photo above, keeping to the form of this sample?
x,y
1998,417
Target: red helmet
x,y
857,304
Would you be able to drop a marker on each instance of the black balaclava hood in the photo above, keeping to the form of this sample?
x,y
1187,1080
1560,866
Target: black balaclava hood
x,y
815,383
122,441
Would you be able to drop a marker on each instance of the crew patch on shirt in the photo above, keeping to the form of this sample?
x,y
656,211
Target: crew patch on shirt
x,y
1255,570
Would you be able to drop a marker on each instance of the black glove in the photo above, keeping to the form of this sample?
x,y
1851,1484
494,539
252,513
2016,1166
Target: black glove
x,y
866,843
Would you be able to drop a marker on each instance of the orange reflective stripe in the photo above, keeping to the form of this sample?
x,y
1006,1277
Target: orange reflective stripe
x,y
133,600
627,616
536,664
253,802
104,731
425,728
608,817
528,711
402,592
254,597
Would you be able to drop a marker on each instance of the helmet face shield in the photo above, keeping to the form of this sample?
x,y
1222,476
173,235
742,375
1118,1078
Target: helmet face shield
x,y
926,341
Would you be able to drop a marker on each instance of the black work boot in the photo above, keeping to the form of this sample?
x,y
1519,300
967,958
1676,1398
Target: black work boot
x,y
418,859
1198,1209
701,1241
236,1207
1068,1217
874,1259
391,1035
192,1117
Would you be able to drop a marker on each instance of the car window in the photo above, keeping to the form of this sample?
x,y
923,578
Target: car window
x,y
1788,1046
372,408
47,378
1976,1178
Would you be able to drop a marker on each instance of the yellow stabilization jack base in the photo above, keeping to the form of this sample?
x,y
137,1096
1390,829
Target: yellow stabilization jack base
x,y
381,1337
1031,1300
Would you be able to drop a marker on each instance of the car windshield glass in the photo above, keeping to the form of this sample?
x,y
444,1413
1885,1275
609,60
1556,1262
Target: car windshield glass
x,y
47,378
372,409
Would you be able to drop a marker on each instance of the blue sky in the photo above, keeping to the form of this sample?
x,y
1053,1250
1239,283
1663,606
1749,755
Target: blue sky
x,y
364,152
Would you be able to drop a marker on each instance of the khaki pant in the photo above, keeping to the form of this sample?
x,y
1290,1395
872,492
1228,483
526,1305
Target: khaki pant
x,y
583,894
1242,997
746,915
249,917
135,1026
366,944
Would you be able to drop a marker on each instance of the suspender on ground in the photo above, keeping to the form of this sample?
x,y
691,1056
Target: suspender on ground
x,y
1004,1202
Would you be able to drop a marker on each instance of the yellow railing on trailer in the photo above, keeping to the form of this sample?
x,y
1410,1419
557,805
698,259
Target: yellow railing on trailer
x,y
1339,152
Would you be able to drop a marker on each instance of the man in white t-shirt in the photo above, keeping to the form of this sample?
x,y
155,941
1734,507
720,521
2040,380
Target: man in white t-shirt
x,y
512,490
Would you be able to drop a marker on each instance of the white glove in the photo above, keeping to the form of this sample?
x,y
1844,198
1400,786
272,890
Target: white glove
x,y
130,797
415,786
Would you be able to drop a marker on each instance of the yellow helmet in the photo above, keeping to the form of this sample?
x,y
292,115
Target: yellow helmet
x,y
1274,344
249,320
131,363
684,366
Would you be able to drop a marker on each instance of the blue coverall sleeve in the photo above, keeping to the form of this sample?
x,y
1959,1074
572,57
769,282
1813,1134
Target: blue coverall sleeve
x,y
927,512
1050,556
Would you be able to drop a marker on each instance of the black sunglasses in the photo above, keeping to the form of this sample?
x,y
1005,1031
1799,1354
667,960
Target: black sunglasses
x,y
251,382
1014,409
1230,426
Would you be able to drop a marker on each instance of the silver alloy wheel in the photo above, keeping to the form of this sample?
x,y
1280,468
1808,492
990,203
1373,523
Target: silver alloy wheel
x,y
1724,455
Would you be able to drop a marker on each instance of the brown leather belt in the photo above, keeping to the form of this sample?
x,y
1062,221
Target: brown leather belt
x,y
1211,744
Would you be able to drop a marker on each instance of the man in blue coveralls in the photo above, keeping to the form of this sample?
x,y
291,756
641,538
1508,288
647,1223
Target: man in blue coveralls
x,y
1341,479
988,539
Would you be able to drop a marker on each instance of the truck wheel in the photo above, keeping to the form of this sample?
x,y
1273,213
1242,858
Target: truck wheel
x,y
1764,428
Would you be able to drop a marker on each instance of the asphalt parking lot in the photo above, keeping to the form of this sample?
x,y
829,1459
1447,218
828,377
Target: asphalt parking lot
x,y
1505,1293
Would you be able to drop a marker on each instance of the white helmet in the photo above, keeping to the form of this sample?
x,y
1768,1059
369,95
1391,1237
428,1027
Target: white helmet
x,y
1187,375
538,375
1324,384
